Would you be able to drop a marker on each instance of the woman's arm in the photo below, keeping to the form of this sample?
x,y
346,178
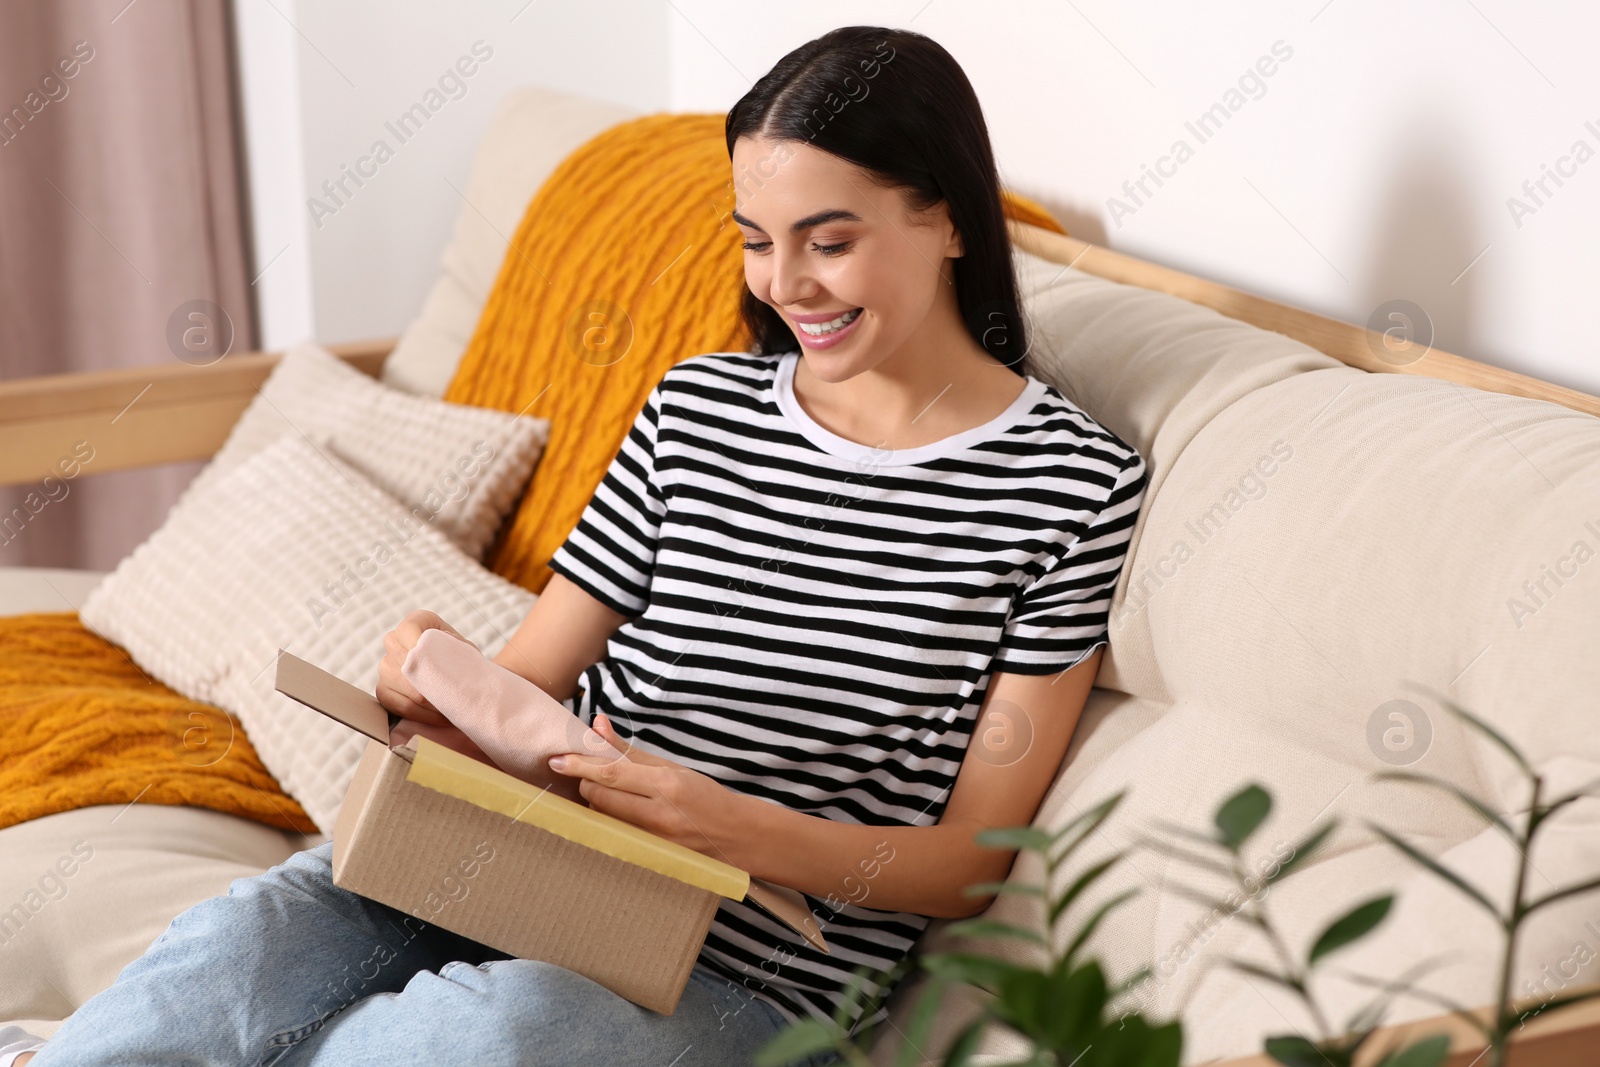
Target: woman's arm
x,y
1017,747
563,635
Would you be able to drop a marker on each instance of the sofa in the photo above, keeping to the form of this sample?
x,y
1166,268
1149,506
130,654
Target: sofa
x,y
1327,528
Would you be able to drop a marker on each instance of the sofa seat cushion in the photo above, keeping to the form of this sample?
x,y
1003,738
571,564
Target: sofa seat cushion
x,y
26,590
85,892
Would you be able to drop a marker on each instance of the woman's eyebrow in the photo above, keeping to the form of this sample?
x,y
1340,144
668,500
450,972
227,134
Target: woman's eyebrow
x,y
816,219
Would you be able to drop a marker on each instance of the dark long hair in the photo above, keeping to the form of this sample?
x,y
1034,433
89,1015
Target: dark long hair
x,y
896,104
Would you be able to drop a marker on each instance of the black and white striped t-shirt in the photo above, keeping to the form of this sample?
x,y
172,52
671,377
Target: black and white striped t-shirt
x,y
815,621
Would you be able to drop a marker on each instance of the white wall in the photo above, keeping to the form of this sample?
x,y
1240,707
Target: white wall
x,y
322,83
1375,163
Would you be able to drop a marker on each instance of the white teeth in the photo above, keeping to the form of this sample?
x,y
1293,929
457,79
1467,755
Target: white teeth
x,y
817,329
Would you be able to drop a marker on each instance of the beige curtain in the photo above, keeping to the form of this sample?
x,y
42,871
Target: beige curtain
x,y
120,203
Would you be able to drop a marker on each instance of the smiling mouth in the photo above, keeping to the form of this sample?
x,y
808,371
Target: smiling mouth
x,y
823,329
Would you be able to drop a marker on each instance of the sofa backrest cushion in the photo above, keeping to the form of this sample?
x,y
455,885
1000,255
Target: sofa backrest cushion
x,y
532,131
1319,540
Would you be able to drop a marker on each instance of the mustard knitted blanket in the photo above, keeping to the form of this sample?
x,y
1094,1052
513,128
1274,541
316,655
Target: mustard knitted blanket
x,y
80,724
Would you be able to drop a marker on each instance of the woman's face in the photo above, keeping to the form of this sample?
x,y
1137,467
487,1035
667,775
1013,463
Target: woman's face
x,y
857,249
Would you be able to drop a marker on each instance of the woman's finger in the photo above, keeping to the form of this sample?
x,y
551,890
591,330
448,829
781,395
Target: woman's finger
x,y
619,774
618,803
603,727
397,694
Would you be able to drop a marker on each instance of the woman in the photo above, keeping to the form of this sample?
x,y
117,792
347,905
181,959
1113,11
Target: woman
x,y
847,594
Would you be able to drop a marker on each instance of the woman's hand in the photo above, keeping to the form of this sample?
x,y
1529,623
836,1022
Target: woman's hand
x,y
447,735
395,690
656,794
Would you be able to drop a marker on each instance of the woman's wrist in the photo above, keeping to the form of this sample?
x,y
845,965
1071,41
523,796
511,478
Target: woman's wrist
x,y
749,829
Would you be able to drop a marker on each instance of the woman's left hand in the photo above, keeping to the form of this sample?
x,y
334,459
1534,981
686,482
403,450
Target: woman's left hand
x,y
656,794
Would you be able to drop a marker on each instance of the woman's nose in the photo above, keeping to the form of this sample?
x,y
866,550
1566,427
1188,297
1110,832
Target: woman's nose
x,y
791,281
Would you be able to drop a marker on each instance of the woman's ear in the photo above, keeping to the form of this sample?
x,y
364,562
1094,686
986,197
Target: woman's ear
x,y
953,247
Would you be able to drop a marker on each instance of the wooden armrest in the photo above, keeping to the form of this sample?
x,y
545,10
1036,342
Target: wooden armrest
x,y
137,416
1558,1039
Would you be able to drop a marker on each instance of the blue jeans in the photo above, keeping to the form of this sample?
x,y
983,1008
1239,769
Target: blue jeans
x,y
289,970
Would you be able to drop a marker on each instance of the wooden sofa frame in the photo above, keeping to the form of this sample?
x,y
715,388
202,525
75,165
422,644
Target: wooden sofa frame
x,y
168,413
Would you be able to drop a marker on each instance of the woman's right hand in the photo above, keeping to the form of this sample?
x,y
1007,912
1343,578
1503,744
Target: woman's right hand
x,y
395,691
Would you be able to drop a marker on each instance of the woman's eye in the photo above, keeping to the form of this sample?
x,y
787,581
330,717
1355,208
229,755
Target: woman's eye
x,y
827,250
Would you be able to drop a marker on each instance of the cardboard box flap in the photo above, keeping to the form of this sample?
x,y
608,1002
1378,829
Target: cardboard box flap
x,y
333,696
450,772
788,907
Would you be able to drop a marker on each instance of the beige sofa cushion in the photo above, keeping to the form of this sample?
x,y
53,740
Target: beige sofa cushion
x,y
25,590
66,936
1265,620
532,131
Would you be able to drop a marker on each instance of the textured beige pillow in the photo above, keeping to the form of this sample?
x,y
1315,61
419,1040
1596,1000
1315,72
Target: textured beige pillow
x,y
294,549
459,467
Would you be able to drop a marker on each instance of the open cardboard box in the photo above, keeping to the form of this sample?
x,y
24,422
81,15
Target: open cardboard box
x,y
456,842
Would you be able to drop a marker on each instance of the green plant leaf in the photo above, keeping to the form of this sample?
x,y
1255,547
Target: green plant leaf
x,y
1023,1002
980,889
1366,1018
1241,814
1588,790
985,972
1094,921
996,928
1556,1004
1431,864
1084,880
855,990
1246,967
1081,825
1018,837
1356,923
1562,894
1222,906
1094,816
1075,1000
1484,728
1488,814
799,1041
1132,1041
961,1049
1353,1040
1429,1052
1372,1014
921,1024
1302,852
1176,829
1203,862
1292,1050
1132,981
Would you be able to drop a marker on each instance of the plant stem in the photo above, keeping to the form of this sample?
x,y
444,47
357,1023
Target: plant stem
x,y
1503,1010
1258,913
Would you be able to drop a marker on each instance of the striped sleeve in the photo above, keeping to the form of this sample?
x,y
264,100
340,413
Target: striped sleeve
x,y
1063,616
611,552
